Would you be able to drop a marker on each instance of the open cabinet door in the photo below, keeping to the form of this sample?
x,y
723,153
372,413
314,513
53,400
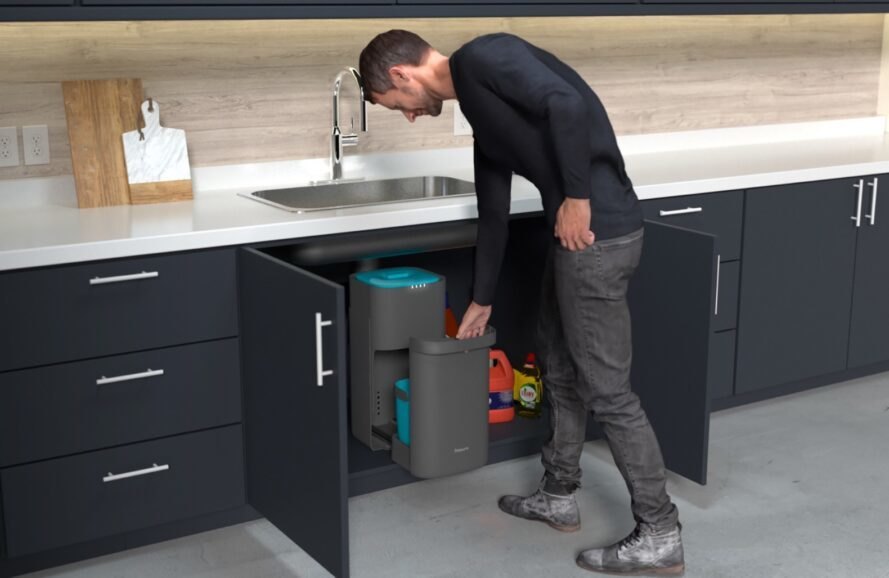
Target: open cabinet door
x,y
671,299
293,344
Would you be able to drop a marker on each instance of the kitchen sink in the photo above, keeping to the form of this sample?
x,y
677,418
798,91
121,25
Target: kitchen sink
x,y
333,195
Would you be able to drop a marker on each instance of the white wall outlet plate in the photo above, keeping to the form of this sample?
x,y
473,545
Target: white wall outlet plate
x,y
461,125
35,140
9,147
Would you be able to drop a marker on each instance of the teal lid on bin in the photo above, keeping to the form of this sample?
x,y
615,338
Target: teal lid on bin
x,y
397,277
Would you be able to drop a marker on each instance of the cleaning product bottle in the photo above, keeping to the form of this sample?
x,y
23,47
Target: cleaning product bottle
x,y
501,407
451,325
528,388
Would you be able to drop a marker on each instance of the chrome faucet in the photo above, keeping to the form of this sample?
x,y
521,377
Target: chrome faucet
x,y
338,140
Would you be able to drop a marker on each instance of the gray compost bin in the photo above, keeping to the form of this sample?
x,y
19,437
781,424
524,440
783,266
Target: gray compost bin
x,y
396,324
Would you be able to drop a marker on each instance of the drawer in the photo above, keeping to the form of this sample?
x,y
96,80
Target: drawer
x,y
719,214
69,408
74,499
74,312
721,371
726,307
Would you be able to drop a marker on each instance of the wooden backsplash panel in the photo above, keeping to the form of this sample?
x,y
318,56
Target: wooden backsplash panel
x,y
251,91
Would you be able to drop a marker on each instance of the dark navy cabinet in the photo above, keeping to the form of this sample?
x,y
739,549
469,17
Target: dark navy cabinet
x,y
293,326
120,405
813,284
64,501
67,408
720,214
199,389
71,10
869,333
23,3
247,3
796,286
507,2
72,312
723,2
671,297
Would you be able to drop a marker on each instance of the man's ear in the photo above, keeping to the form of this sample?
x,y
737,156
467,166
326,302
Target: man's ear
x,y
399,75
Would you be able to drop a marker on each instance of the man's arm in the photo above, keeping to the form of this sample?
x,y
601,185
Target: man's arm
x,y
492,184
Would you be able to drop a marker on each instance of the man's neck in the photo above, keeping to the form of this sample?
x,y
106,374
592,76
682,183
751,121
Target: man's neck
x,y
439,82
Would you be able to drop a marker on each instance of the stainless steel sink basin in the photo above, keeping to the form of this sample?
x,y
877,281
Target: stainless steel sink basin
x,y
360,193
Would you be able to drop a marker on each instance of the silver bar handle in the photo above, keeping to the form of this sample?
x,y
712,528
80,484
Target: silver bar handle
x,y
716,308
873,202
118,378
152,470
860,187
120,278
681,211
319,349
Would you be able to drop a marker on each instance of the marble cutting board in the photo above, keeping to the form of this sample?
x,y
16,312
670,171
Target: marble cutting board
x,y
157,160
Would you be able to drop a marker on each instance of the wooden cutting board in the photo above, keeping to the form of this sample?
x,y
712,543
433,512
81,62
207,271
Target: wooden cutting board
x,y
99,112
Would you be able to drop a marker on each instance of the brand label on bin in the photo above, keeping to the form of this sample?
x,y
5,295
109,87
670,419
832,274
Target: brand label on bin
x,y
500,400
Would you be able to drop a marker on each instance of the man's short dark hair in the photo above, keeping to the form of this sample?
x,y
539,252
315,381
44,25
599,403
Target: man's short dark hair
x,y
386,50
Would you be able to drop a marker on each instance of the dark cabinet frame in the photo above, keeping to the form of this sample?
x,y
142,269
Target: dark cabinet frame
x,y
311,444
296,430
99,10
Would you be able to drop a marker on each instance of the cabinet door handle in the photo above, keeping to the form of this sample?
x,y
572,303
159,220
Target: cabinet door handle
x,y
135,473
716,308
860,187
120,278
149,373
319,349
873,202
681,211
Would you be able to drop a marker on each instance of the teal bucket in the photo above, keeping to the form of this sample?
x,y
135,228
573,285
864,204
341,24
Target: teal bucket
x,y
403,410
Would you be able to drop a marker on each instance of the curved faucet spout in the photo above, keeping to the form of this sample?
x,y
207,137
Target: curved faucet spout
x,y
362,110
338,140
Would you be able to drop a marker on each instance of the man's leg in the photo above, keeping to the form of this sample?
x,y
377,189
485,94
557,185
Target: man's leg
x,y
554,502
591,288
563,447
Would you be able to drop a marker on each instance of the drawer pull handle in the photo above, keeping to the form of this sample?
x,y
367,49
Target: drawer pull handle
x,y
319,350
681,211
120,278
149,373
716,307
873,203
857,216
135,473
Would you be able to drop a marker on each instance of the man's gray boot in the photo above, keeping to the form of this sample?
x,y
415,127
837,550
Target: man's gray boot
x,y
551,504
645,551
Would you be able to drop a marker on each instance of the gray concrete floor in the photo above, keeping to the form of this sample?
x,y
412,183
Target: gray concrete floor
x,y
798,488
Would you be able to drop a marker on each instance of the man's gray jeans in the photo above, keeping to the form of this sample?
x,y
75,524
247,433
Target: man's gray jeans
x,y
585,349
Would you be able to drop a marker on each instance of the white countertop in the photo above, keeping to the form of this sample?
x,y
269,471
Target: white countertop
x,y
40,224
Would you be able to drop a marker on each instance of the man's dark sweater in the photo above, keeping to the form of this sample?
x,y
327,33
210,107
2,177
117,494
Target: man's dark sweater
x,y
533,115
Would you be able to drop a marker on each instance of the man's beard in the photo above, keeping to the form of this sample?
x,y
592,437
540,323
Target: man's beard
x,y
431,106
434,107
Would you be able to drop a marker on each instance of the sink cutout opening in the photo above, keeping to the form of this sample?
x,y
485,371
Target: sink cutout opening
x,y
357,193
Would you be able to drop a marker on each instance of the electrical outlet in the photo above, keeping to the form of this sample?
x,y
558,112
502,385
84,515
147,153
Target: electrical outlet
x,y
461,125
36,143
9,147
